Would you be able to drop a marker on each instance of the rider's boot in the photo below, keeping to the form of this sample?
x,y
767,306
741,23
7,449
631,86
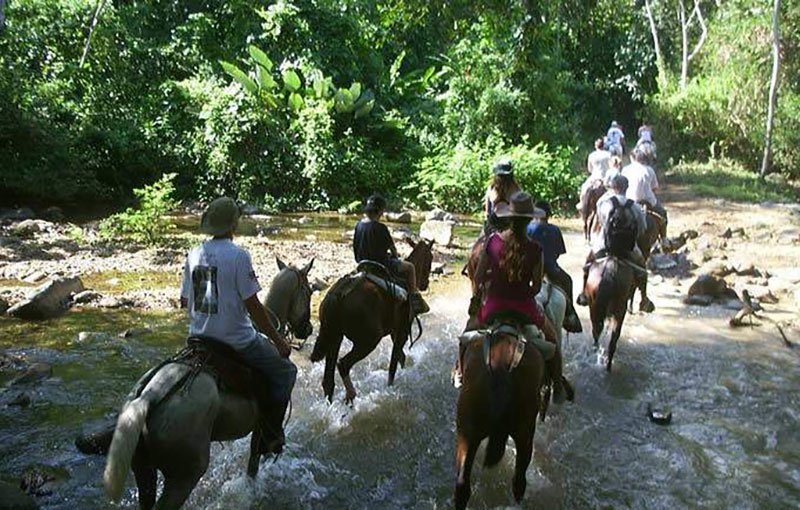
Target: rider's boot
x,y
273,438
418,304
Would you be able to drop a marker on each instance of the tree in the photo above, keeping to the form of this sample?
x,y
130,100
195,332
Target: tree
x,y
687,57
773,86
656,44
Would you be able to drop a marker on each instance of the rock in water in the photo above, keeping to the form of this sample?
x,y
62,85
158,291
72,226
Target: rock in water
x,y
25,228
35,372
95,436
48,300
401,217
709,286
699,300
440,232
13,498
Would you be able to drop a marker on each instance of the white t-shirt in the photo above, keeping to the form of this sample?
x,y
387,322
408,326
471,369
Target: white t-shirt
x,y
598,164
217,277
604,207
641,182
614,136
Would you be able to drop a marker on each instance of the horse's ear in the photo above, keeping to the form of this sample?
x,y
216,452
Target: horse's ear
x,y
281,265
308,267
411,242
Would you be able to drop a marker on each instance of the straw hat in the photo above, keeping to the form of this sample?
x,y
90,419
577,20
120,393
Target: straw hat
x,y
221,217
521,206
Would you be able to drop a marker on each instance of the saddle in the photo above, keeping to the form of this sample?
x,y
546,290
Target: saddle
x,y
380,275
525,336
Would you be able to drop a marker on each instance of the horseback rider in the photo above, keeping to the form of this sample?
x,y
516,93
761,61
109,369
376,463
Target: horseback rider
x,y
552,242
621,222
646,144
510,272
372,241
220,290
615,139
499,191
598,164
642,185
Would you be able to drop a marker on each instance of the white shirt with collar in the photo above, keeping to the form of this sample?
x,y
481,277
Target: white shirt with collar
x,y
642,181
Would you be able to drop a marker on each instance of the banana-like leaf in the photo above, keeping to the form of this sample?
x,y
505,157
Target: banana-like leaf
x,y
291,80
238,75
260,57
265,79
321,86
355,90
344,101
365,109
296,101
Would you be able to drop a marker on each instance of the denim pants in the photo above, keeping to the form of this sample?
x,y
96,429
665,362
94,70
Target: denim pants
x,y
280,372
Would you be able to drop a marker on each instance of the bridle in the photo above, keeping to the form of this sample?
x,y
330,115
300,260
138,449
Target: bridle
x,y
285,328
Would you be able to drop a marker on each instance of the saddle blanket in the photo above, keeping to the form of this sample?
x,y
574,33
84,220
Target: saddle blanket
x,y
392,288
528,334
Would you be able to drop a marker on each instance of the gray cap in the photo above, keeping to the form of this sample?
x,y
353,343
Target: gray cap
x,y
220,217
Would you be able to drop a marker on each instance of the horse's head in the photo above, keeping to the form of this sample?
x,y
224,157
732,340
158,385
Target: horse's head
x,y
421,256
290,298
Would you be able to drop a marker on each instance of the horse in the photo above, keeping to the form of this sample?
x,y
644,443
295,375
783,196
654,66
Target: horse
x,y
647,149
609,286
589,209
171,431
358,309
497,401
646,240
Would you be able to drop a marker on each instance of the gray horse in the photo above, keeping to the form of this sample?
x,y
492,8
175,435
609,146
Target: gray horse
x,y
171,431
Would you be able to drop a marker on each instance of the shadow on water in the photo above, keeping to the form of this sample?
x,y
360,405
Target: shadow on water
x,y
733,442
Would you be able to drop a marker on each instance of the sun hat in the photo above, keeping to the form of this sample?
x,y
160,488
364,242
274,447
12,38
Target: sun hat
x,y
503,167
521,206
220,217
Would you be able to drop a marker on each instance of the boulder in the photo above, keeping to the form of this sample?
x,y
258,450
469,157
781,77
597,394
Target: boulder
x,y
95,436
711,286
25,228
14,498
48,300
401,217
699,300
53,214
438,231
87,296
35,372
439,215
25,213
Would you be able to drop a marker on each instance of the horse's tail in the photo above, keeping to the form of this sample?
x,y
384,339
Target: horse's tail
x,y
605,291
500,390
328,318
123,445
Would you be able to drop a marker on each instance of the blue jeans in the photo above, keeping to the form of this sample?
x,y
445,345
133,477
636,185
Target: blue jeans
x,y
280,372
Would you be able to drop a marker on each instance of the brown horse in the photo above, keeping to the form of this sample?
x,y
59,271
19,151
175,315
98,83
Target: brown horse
x,y
609,286
589,209
365,313
497,401
646,241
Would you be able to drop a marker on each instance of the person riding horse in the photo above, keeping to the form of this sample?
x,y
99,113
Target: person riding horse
x,y
373,242
598,164
642,185
646,144
552,242
615,139
499,192
220,289
621,222
509,275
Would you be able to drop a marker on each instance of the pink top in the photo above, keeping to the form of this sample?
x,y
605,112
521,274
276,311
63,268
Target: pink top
x,y
505,295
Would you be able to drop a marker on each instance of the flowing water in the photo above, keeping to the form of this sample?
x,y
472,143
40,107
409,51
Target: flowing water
x,y
734,441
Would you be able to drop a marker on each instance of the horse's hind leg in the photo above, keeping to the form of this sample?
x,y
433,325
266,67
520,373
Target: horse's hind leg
x,y
184,473
362,346
465,456
328,380
523,439
146,476
612,344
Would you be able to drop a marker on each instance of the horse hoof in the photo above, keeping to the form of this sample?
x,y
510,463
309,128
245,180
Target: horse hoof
x,y
647,306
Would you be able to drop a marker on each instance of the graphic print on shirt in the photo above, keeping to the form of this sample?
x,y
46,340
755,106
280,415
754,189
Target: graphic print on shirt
x,y
204,285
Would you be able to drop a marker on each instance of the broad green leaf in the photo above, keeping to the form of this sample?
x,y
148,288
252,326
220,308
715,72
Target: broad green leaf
x,y
265,79
355,90
260,57
321,87
295,101
239,76
291,80
365,109
344,100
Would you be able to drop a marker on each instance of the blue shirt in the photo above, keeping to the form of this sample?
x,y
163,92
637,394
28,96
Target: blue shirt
x,y
549,236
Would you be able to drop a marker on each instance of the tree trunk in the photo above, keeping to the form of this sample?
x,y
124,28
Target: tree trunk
x,y
2,15
656,45
684,44
95,18
766,163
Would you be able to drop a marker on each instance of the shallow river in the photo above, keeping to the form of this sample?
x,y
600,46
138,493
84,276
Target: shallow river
x,y
734,441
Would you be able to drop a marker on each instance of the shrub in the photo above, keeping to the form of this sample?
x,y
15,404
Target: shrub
x,y
147,223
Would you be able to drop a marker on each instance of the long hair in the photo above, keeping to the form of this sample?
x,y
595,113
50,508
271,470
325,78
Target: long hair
x,y
515,239
503,184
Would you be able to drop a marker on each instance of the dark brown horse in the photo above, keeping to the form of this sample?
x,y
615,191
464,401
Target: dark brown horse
x,y
609,286
646,241
589,209
497,402
365,313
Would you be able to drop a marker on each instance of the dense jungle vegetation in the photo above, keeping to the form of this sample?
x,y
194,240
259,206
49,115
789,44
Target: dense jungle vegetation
x,y
316,103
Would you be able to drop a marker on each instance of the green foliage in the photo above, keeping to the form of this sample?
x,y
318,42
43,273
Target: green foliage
x,y
457,179
724,178
145,224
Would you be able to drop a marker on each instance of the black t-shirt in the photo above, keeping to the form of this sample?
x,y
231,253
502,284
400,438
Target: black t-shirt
x,y
372,241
